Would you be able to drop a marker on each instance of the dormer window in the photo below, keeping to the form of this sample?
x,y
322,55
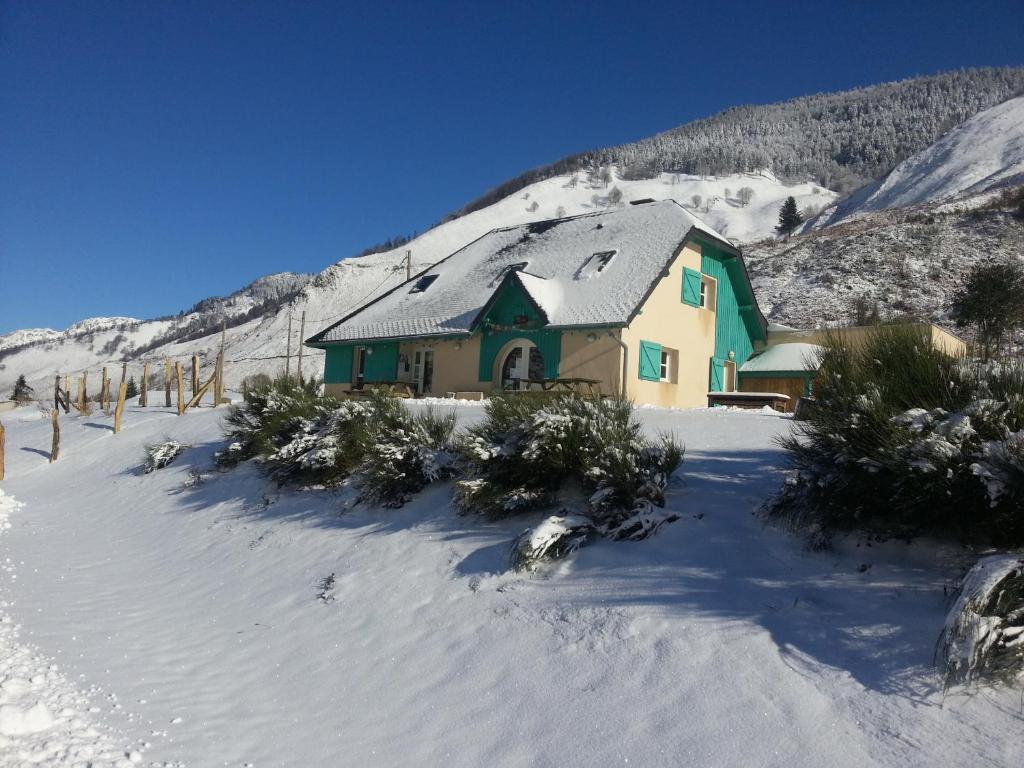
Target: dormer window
x,y
423,283
519,266
599,261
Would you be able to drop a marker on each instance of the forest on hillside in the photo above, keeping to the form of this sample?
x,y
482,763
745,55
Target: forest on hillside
x,y
840,140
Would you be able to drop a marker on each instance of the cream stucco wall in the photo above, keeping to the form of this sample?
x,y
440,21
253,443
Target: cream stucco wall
x,y
600,359
666,320
942,339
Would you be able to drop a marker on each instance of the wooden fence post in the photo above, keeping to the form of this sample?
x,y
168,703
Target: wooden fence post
x,y
55,445
2,449
181,387
218,387
124,372
195,374
56,391
302,335
104,390
85,389
81,394
143,395
122,391
167,383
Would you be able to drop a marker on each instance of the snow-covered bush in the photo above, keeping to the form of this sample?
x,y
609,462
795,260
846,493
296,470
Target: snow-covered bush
x,y
270,416
403,453
906,440
983,640
305,438
553,539
159,455
530,452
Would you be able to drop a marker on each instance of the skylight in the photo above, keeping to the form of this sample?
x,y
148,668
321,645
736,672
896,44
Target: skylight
x,y
600,260
423,283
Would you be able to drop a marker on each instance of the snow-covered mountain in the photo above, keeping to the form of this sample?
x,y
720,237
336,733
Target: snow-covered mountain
x,y
905,261
984,153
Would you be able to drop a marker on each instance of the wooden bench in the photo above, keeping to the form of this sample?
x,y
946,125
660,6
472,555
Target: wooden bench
x,y
749,400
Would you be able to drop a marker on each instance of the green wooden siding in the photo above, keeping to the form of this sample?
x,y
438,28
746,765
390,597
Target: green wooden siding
x,y
548,342
650,361
510,304
691,287
381,363
338,364
736,324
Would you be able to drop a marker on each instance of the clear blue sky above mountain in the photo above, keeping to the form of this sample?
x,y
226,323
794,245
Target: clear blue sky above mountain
x,y
152,154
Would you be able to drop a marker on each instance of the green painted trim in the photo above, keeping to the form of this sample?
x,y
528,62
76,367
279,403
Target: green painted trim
x,y
650,361
338,365
691,287
549,343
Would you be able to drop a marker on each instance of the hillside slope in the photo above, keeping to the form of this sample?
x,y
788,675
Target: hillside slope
x,y
907,261
986,152
258,343
840,140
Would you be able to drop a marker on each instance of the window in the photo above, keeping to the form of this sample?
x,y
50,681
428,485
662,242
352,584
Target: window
x,y
595,265
666,365
519,266
360,366
657,363
601,259
708,292
423,283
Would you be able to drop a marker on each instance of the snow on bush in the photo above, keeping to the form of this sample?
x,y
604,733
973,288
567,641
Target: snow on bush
x,y
303,437
906,440
159,455
403,453
530,452
983,640
553,539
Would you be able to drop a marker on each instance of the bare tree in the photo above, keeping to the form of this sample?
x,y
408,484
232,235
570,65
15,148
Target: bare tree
x,y
696,200
745,195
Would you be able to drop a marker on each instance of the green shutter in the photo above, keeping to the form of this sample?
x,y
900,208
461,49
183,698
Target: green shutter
x,y
717,375
382,362
338,365
691,287
650,361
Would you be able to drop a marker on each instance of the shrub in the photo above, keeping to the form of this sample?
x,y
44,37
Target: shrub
x,y
306,438
269,417
907,440
159,455
402,453
555,538
983,640
531,450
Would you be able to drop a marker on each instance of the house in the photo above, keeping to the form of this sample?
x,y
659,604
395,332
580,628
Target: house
x,y
790,360
645,300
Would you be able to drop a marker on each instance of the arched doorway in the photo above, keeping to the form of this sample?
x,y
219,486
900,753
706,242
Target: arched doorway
x,y
522,361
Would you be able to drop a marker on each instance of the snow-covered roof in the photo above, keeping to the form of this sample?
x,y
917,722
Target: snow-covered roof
x,y
556,267
785,357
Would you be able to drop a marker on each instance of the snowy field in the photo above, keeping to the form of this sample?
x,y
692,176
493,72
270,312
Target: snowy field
x,y
189,617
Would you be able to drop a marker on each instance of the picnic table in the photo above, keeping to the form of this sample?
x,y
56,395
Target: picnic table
x,y
591,386
396,388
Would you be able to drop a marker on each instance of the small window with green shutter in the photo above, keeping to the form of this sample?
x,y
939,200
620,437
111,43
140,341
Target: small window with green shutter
x,y
650,361
691,287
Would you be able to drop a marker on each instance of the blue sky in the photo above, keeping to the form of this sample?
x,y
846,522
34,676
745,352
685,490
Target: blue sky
x,y
152,154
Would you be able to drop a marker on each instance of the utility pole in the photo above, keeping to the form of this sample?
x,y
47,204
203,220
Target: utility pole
x,y
288,348
302,335
408,266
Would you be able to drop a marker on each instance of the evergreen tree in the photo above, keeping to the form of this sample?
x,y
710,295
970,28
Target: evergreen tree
x,y
992,300
132,389
22,391
789,217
